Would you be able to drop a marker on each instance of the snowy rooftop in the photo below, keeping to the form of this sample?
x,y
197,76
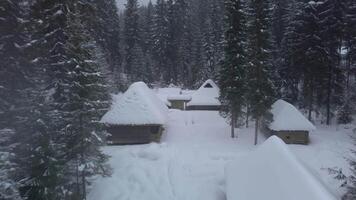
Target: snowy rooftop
x,y
163,93
288,117
137,106
207,94
272,172
180,97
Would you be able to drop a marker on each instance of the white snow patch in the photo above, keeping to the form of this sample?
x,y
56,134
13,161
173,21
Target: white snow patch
x,y
272,172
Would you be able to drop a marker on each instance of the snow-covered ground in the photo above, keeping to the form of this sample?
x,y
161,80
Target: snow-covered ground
x,y
189,163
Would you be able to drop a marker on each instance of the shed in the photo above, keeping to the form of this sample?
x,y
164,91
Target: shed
x,y
179,101
206,97
289,123
137,117
163,93
272,172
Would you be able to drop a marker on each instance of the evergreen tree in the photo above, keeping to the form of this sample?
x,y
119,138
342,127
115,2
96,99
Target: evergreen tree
x,y
131,34
160,37
332,31
8,187
260,87
233,71
289,72
13,72
105,28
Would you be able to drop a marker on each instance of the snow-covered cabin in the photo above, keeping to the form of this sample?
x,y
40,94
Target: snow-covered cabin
x,y
272,171
179,101
206,97
163,93
136,117
289,123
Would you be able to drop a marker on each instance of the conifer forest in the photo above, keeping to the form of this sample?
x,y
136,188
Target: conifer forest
x,y
61,61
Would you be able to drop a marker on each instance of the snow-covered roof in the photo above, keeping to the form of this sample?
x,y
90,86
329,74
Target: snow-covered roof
x,y
288,117
207,94
179,97
272,171
137,106
163,93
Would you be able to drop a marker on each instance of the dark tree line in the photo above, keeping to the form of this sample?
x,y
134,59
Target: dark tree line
x,y
172,41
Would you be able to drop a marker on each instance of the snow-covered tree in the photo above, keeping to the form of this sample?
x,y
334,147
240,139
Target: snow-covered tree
x,y
232,80
8,187
131,34
260,87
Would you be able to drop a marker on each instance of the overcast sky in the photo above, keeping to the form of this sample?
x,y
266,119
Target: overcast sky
x,y
121,3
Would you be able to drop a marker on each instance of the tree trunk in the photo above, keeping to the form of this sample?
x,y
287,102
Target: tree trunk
x,y
233,124
247,115
84,186
328,101
310,106
256,129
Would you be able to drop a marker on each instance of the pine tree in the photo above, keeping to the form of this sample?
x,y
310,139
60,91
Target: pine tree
x,y
12,65
232,79
86,103
131,34
8,187
104,26
61,135
289,72
332,31
160,37
260,87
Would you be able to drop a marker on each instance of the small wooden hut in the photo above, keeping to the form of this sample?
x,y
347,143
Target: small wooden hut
x,y
290,124
179,101
137,117
206,97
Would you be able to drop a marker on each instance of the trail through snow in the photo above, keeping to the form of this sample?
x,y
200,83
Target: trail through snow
x,y
189,163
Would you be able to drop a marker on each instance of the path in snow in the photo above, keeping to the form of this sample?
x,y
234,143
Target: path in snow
x,y
189,163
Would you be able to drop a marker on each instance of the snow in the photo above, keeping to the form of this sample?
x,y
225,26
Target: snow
x,y
180,97
138,105
190,162
206,95
163,93
287,117
272,172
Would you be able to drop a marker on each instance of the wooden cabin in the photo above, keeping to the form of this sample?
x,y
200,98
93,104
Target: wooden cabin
x,y
206,97
137,117
289,123
179,101
134,134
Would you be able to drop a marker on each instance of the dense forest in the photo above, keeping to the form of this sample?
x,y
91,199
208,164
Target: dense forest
x,y
61,59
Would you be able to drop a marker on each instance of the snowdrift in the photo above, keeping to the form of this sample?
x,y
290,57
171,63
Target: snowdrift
x,y
288,117
272,172
137,106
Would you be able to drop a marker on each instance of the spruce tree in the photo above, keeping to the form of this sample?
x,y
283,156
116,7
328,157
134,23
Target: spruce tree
x,y
160,37
13,71
8,186
131,34
232,80
260,86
